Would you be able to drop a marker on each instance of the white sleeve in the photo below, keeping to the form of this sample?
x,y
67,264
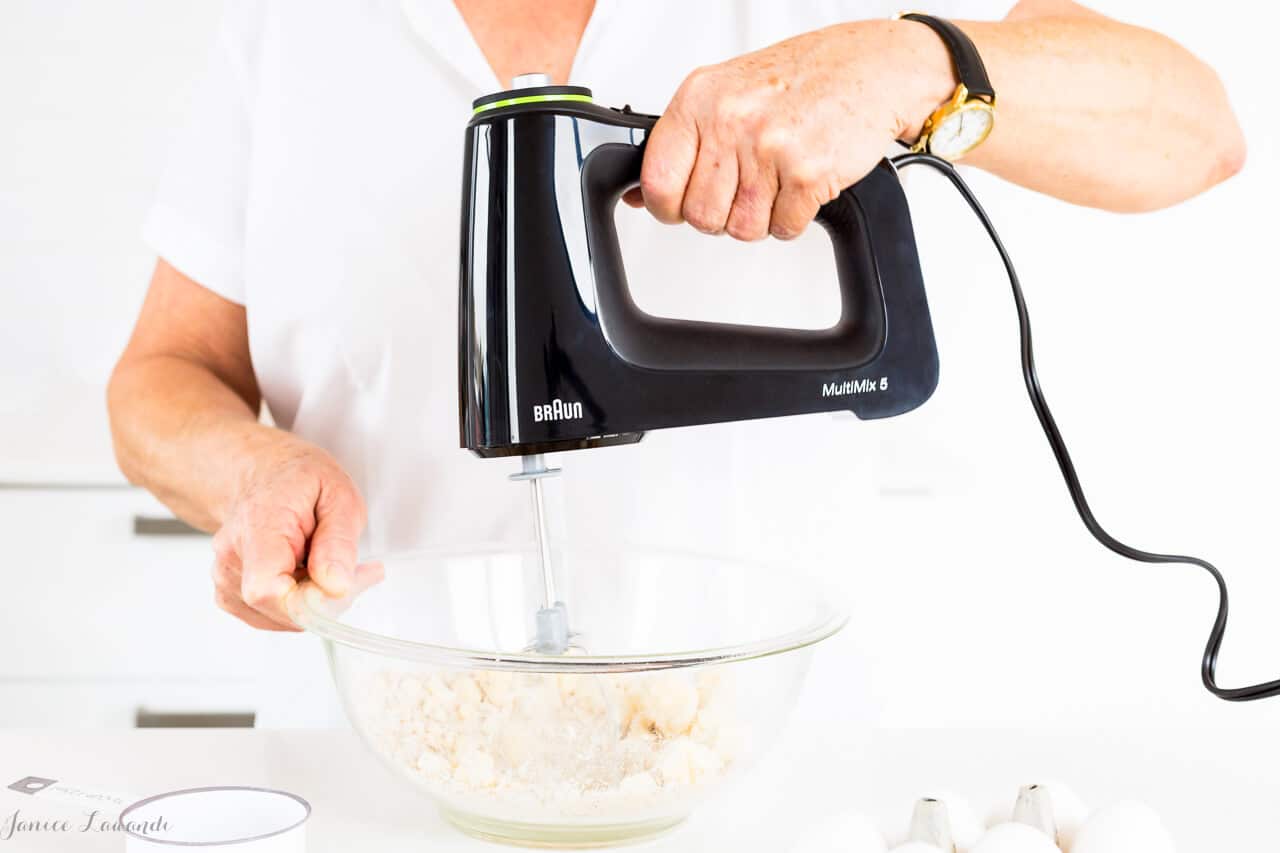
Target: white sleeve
x,y
197,220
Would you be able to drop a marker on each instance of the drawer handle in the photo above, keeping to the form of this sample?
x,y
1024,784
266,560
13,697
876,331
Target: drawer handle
x,y
144,719
151,525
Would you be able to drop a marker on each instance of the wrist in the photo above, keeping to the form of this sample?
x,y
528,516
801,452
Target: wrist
x,y
925,72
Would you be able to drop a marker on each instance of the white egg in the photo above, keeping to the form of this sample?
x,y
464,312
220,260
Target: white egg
x,y
1017,838
917,847
1123,828
1065,799
1071,813
966,826
1063,808
843,833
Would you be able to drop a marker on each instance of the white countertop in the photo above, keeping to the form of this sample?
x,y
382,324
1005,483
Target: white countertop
x,y
1216,790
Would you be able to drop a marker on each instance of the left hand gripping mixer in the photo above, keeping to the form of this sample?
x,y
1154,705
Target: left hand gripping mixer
x,y
554,353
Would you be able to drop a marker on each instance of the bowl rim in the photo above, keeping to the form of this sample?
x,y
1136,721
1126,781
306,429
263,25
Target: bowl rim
x,y
829,620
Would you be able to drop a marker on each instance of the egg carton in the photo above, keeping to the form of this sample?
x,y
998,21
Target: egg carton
x,y
1046,818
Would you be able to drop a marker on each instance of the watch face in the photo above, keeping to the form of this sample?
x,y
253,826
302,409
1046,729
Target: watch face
x,y
962,131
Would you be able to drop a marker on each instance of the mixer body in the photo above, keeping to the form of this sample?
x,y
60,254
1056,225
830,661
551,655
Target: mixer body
x,y
554,354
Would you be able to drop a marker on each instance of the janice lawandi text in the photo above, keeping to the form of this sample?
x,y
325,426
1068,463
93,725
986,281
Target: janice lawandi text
x,y
16,824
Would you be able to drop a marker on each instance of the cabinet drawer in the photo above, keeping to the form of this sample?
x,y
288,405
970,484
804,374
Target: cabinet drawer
x,y
116,704
85,596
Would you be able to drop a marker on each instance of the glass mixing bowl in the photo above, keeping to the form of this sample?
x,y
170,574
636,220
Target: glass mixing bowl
x,y
682,670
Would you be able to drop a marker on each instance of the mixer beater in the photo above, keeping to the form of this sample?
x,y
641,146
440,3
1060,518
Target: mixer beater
x,y
552,635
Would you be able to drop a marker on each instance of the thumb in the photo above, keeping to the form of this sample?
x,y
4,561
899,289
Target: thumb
x,y
340,519
314,599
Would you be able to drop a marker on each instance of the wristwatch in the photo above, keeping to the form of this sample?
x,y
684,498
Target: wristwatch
x,y
964,122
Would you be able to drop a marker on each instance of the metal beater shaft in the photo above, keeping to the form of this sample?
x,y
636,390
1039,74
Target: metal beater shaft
x,y
552,620
535,467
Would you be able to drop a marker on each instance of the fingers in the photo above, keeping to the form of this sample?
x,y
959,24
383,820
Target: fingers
x,y
745,148
237,608
227,580
670,154
268,561
798,201
340,519
711,190
753,202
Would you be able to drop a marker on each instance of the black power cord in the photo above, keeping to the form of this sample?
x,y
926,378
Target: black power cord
x,y
1209,666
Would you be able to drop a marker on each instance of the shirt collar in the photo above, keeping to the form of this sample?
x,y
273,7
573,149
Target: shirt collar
x,y
440,25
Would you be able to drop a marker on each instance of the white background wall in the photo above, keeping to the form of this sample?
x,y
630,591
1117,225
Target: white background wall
x,y
977,596
90,91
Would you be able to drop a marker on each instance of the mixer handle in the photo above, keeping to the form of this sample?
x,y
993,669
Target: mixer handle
x,y
658,343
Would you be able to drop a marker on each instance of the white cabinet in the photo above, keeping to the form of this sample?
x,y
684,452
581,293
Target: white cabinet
x,y
114,704
97,621
87,598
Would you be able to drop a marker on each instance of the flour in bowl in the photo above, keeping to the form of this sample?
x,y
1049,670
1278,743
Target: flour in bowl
x,y
547,745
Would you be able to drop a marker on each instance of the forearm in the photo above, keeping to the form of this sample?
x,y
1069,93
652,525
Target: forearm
x,y
1101,113
180,431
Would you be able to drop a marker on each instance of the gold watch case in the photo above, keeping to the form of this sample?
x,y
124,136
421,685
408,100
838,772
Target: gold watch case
x,y
960,102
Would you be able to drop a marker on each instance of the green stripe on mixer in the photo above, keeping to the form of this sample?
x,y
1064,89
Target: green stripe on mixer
x,y
530,99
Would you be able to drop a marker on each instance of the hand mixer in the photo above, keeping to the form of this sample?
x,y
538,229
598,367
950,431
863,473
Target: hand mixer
x,y
555,355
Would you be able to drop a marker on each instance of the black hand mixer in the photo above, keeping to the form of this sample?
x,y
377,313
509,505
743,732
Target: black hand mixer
x,y
555,354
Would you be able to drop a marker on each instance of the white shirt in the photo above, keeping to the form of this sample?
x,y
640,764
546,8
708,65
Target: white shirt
x,y
318,183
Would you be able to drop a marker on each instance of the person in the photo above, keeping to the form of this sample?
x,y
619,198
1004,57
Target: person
x,y
306,229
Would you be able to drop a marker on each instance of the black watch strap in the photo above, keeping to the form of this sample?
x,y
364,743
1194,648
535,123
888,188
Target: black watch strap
x,y
969,66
